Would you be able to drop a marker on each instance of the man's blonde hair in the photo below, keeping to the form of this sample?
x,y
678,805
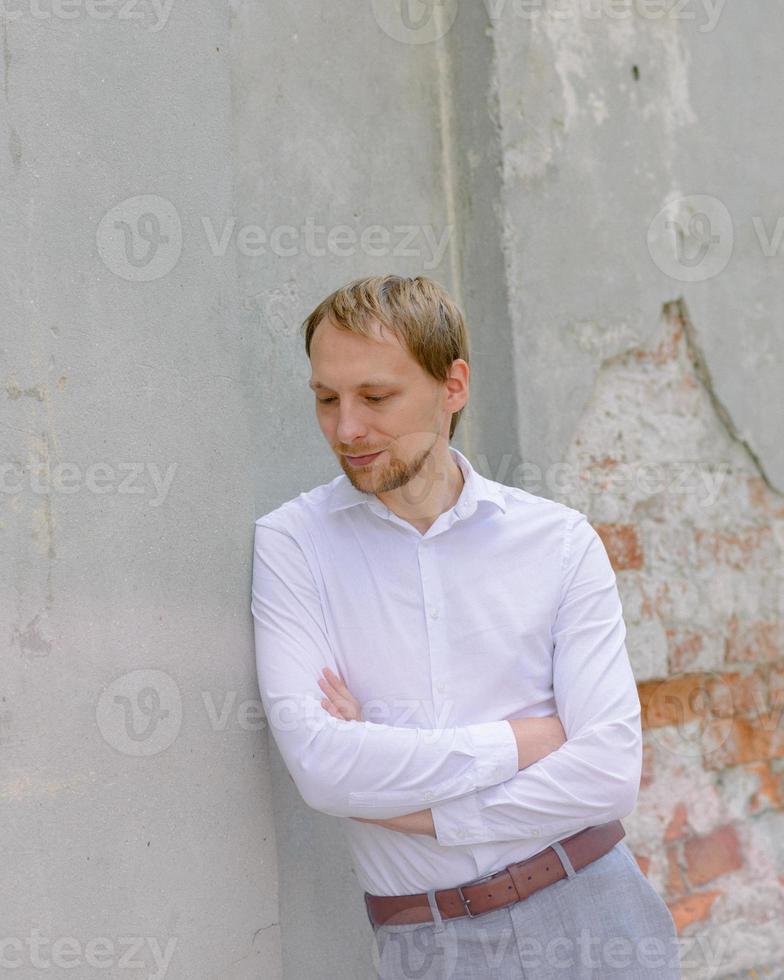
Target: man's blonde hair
x,y
426,321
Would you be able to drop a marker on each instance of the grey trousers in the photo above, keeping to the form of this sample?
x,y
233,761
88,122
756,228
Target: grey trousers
x,y
603,920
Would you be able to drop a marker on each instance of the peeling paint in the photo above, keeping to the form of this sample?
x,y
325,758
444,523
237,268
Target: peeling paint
x,y
15,392
31,640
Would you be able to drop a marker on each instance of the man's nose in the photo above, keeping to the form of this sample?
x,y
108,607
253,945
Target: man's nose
x,y
350,425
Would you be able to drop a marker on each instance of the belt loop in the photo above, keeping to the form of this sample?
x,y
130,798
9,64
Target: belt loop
x,y
435,910
564,857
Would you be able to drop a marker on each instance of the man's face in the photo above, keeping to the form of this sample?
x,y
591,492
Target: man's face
x,y
404,415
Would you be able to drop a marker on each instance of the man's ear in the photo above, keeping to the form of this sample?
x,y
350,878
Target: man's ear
x,y
457,384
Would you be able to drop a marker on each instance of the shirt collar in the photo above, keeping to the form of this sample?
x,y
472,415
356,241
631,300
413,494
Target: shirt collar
x,y
475,488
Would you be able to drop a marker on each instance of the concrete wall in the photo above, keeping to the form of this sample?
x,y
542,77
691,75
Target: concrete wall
x,y
136,809
181,186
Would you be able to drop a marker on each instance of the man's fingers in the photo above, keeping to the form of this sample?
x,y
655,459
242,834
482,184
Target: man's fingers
x,y
328,689
335,680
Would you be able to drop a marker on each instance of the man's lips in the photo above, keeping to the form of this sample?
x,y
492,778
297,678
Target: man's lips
x,y
363,460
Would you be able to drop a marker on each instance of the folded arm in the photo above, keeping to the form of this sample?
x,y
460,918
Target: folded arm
x,y
594,776
351,768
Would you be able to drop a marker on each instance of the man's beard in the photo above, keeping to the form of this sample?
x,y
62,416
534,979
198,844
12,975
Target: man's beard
x,y
389,474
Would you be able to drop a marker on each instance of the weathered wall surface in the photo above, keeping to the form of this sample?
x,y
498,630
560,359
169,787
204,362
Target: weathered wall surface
x,y
598,184
696,538
136,820
640,176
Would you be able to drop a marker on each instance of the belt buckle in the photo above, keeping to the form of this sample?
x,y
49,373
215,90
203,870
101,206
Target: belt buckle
x,y
466,902
477,881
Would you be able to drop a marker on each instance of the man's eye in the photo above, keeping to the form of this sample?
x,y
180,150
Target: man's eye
x,y
370,398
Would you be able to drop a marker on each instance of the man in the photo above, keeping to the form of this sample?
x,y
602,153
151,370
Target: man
x,y
442,663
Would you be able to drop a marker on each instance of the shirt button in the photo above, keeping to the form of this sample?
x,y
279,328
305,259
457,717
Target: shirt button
x,y
498,771
441,688
427,795
434,612
462,834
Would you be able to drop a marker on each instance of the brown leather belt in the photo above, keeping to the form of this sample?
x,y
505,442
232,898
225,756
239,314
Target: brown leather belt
x,y
512,884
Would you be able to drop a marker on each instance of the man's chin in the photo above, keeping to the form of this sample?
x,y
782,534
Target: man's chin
x,y
362,479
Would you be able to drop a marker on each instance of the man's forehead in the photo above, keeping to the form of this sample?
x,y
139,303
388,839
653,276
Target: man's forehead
x,y
381,361
367,383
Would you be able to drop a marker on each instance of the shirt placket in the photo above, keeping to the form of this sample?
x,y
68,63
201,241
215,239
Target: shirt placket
x,y
435,627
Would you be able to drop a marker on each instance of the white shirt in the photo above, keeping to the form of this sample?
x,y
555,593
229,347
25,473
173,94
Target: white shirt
x,y
507,607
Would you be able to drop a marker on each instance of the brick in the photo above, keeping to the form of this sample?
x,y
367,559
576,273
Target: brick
x,y
679,824
737,549
771,787
733,693
776,687
646,777
622,544
712,855
683,648
746,740
658,606
756,642
676,883
674,701
643,862
692,908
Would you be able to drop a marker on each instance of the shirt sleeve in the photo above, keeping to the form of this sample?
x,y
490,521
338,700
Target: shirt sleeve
x,y
350,768
594,777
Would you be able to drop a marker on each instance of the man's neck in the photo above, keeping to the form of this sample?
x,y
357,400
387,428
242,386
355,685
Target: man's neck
x,y
422,514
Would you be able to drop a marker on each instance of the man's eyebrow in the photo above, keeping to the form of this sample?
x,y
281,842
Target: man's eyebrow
x,y
372,383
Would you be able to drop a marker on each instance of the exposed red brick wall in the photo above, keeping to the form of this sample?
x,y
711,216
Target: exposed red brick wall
x,y
700,572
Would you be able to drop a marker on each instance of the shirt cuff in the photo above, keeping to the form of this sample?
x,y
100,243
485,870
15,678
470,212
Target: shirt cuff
x,y
460,821
496,749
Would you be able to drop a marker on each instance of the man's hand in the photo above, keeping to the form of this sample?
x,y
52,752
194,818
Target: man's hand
x,y
339,701
420,822
536,738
